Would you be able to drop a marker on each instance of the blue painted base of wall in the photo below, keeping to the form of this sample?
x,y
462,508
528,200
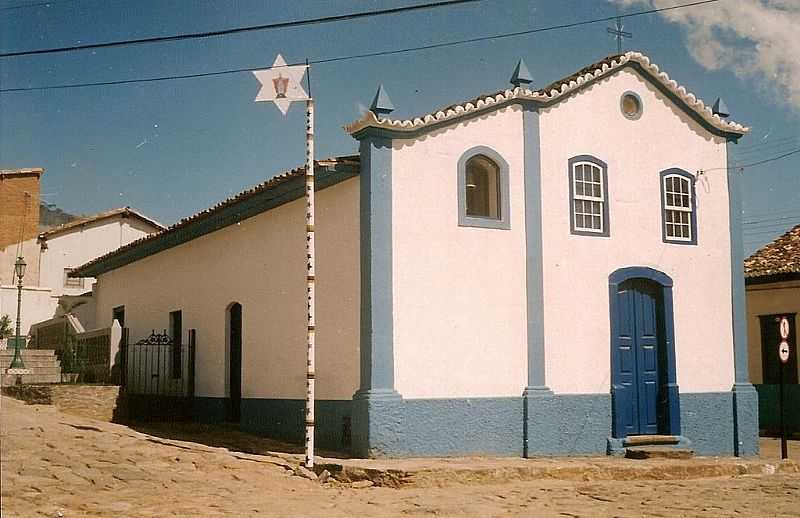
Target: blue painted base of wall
x,y
745,420
566,424
385,424
707,420
284,419
209,409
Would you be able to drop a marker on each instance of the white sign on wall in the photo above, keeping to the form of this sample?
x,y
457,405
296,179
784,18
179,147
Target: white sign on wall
x,y
784,327
783,351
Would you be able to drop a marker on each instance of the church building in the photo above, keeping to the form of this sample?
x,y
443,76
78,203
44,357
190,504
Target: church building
x,y
544,270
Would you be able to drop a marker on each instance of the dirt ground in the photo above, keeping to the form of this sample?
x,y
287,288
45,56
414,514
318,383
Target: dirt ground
x,y
56,464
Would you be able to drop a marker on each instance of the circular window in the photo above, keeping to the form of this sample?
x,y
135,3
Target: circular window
x,y
631,105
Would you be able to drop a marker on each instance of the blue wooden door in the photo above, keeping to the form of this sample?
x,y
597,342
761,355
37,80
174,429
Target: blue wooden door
x,y
636,359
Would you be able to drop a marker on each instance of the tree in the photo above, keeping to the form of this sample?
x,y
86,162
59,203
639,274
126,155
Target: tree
x,y
5,327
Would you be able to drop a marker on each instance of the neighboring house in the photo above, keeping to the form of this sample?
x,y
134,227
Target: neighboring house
x,y
19,228
50,255
535,271
74,243
772,277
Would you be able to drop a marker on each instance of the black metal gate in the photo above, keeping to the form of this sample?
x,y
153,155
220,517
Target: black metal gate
x,y
157,377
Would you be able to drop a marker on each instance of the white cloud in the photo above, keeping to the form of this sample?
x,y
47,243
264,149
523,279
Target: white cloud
x,y
756,39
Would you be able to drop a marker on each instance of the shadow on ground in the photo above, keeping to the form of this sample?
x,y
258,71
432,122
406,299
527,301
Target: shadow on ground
x,y
224,435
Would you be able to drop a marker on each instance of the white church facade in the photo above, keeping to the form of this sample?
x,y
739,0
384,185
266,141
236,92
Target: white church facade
x,y
533,272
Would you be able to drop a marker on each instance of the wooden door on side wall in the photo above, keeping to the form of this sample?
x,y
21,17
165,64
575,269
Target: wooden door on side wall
x,y
637,356
235,362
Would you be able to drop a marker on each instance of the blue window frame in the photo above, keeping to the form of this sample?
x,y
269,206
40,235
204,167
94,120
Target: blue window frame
x,y
588,196
483,189
678,207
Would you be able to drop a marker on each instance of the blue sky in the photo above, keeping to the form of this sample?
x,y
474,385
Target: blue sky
x,y
172,148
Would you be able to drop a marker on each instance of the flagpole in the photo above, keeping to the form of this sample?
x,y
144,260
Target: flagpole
x,y
310,275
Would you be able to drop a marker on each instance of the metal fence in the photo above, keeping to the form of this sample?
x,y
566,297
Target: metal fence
x,y
157,376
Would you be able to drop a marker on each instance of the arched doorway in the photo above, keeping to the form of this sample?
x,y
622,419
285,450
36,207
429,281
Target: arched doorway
x,y
643,380
234,340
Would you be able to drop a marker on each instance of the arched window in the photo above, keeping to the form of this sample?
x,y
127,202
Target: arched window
x,y
678,207
483,189
588,196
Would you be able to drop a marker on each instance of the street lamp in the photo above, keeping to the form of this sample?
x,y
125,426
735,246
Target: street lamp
x,y
17,365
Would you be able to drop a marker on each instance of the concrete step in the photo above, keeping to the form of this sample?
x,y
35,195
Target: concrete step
x,y
658,452
28,352
650,440
11,379
32,361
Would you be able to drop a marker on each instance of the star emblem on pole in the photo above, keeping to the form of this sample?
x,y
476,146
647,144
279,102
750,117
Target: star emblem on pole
x,y
281,84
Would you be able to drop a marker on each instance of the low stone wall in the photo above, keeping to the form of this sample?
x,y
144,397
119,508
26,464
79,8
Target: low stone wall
x,y
92,401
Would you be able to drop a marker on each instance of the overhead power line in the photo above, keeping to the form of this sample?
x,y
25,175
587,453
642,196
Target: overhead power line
x,y
37,4
356,56
752,164
239,30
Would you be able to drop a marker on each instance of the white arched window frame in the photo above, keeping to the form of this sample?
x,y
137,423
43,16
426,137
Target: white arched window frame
x,y
679,208
588,193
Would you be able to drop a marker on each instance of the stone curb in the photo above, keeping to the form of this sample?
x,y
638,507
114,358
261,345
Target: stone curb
x,y
648,470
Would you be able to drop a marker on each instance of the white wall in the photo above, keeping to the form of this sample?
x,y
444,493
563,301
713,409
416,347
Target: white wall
x,y
83,243
260,263
37,304
459,292
576,268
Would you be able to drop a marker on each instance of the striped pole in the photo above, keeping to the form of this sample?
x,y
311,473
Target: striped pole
x,y
310,339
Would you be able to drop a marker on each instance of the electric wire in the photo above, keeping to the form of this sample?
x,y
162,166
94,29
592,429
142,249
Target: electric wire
x,y
239,30
357,56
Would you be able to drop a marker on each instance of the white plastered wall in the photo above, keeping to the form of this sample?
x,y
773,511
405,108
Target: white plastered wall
x,y
259,263
576,268
458,292
83,243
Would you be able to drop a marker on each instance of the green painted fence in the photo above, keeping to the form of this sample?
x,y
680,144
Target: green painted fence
x,y
769,418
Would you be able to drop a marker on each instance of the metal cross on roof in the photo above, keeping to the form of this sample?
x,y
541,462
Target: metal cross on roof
x,y
619,34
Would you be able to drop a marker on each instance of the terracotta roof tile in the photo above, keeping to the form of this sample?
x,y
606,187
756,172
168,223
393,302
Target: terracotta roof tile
x,y
552,93
778,257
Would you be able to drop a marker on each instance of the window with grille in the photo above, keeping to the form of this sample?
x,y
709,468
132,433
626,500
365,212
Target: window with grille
x,y
72,282
588,196
679,215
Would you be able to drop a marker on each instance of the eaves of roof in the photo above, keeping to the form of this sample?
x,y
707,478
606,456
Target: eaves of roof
x,y
276,191
775,261
125,212
549,95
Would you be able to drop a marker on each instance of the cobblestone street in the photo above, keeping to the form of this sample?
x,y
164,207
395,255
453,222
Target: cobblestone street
x,y
61,463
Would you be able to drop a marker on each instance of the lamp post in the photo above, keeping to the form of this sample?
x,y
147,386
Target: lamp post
x,y
17,365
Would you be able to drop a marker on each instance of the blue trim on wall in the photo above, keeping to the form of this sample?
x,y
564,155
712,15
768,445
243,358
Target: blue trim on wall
x,y
464,220
745,398
739,313
375,404
284,419
533,247
463,426
708,422
567,424
692,183
606,198
209,409
670,388
377,355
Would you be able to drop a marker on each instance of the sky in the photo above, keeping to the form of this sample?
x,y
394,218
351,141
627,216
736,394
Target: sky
x,y
172,148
